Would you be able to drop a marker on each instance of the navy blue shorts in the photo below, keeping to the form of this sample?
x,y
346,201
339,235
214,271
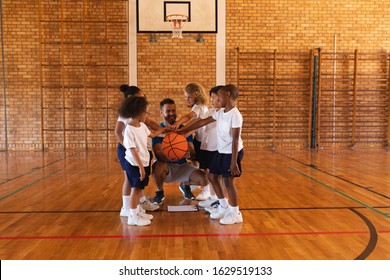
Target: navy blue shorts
x,y
221,164
121,152
133,175
205,158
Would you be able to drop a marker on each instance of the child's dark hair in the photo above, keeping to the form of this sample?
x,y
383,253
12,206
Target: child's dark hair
x,y
232,89
166,101
215,89
132,107
129,90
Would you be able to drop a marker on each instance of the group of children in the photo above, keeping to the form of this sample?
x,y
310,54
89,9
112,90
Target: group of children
x,y
218,146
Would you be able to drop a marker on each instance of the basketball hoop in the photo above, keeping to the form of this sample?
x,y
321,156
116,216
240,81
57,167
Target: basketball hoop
x,y
177,22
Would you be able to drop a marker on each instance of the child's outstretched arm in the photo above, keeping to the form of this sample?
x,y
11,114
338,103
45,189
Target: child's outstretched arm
x,y
196,125
155,132
234,170
152,124
183,119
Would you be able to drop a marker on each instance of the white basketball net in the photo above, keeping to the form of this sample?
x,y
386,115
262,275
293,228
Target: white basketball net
x,y
177,23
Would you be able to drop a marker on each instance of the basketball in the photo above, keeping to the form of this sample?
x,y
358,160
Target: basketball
x,y
174,146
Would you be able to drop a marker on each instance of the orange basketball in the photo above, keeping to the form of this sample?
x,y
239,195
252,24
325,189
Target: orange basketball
x,y
174,146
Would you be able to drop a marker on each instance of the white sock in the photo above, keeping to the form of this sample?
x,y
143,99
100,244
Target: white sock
x,y
142,199
133,212
235,209
126,201
214,197
223,202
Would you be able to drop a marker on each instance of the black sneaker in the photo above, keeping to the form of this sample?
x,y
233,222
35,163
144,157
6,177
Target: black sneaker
x,y
159,197
186,190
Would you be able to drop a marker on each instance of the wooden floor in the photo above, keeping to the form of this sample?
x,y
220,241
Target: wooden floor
x,y
296,204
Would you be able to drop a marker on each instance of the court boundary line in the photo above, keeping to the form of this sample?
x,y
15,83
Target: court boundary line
x,y
201,211
293,233
28,185
386,215
335,176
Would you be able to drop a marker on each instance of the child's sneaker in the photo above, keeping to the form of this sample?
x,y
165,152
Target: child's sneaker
x,y
148,206
213,207
204,194
137,220
207,202
221,212
125,212
231,218
142,213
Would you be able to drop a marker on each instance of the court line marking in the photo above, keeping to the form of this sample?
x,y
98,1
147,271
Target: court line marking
x,y
200,211
341,193
31,171
188,235
29,185
373,240
333,175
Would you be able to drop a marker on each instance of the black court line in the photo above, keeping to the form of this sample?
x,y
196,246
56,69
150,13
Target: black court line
x,y
31,171
28,185
335,176
373,237
200,210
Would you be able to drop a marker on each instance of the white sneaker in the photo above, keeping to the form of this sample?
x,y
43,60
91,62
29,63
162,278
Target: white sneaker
x,y
204,194
213,207
125,212
231,218
149,206
221,212
207,202
137,220
142,213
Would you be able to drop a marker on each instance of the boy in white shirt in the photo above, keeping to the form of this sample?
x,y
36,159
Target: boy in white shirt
x,y
227,162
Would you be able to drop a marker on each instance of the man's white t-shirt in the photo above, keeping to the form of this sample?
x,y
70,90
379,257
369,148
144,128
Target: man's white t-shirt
x,y
225,123
137,137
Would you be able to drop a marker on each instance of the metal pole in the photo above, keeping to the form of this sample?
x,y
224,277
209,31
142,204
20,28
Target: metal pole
x,y
4,82
314,104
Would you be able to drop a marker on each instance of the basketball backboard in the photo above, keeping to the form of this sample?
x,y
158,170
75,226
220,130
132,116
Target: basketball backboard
x,y
151,15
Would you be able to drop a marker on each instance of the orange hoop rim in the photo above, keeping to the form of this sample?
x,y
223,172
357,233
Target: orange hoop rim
x,y
174,17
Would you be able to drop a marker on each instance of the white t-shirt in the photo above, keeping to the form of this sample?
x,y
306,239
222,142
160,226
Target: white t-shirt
x,y
209,139
126,122
225,123
137,137
199,110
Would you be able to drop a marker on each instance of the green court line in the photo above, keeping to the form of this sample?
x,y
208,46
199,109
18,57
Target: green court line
x,y
29,185
387,215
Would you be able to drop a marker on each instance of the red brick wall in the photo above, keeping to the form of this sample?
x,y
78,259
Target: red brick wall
x,y
64,60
